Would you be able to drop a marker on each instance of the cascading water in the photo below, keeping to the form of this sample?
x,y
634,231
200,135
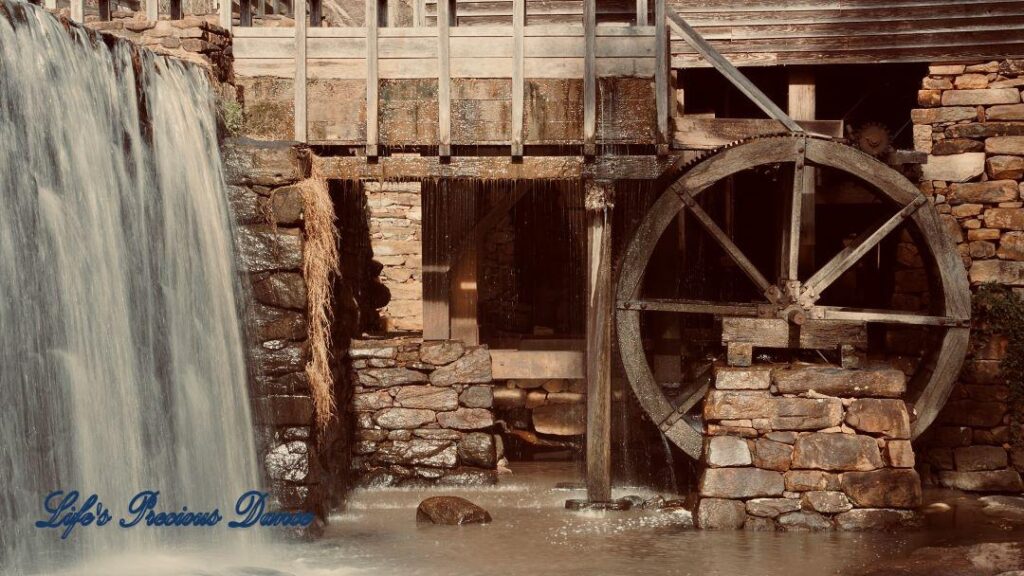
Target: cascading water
x,y
121,349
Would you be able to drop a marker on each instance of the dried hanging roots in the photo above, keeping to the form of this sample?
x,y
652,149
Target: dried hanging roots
x,y
319,266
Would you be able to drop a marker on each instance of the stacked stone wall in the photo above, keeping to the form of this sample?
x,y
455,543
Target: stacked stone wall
x,y
971,123
395,222
423,413
807,448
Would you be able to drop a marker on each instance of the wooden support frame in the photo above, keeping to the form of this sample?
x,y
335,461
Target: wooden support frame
x,y
104,10
245,12
372,79
518,81
176,10
444,79
590,78
300,70
316,12
225,14
599,203
661,72
641,13
802,107
78,10
152,10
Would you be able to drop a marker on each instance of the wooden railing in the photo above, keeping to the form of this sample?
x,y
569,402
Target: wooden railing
x,y
444,52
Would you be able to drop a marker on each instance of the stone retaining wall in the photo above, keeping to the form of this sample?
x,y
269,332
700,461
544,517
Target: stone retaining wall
x,y
396,218
971,122
423,413
807,448
263,191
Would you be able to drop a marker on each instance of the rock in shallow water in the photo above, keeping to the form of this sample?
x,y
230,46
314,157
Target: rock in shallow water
x,y
451,511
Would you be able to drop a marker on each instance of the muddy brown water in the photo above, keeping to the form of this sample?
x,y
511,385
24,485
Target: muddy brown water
x,y
532,534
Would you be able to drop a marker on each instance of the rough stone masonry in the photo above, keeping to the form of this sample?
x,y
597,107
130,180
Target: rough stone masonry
x,y
807,447
971,123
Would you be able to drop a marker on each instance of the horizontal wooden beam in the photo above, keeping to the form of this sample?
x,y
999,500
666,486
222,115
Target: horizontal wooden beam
x,y
536,364
693,133
493,167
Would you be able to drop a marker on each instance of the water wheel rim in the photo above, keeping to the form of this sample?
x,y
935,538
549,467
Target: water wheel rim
x,y
933,381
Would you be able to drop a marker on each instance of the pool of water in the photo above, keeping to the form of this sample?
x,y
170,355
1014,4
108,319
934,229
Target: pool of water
x,y
532,534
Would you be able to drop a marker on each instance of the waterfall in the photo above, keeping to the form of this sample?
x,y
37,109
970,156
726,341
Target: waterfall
x,y
122,364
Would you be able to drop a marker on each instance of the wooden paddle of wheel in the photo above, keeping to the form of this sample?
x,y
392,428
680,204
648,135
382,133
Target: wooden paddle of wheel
x,y
791,298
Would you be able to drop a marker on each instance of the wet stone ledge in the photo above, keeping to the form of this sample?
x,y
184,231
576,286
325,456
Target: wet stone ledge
x,y
423,413
781,455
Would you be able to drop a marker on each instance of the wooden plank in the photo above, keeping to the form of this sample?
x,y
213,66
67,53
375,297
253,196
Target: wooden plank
x,y
372,81
419,13
802,105
463,295
300,71
731,73
599,203
518,80
152,10
266,32
444,95
245,13
691,307
493,167
536,364
698,133
661,71
778,333
78,10
641,13
590,78
436,265
477,47
887,317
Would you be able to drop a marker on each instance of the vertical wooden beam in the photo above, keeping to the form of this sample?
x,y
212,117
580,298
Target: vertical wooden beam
x,y
599,203
518,88
444,87
50,4
104,10
315,12
152,10
419,13
78,10
590,77
372,80
300,70
661,71
464,296
641,13
436,244
261,8
245,12
802,105
176,10
225,14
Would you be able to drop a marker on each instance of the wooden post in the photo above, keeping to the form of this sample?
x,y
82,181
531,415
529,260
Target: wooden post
x,y
518,60
225,14
315,12
78,10
300,70
176,10
464,296
590,77
152,10
444,80
104,9
436,242
802,106
661,65
419,13
245,12
599,203
372,80
641,13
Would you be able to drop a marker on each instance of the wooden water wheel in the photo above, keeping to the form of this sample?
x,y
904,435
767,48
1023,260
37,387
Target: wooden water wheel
x,y
789,297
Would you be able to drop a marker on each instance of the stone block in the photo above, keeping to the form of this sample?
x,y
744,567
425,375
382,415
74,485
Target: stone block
x,y
973,413
403,418
1005,112
991,192
874,382
887,488
984,97
971,81
810,480
473,368
418,452
772,455
826,502
477,449
881,519
371,401
732,378
387,377
280,289
477,397
900,454
265,248
740,483
984,130
263,163
941,115
984,481
441,352
466,419
929,98
978,458
957,146
836,452
427,397
720,514
804,521
954,168
772,507
560,419
877,416
726,451
1012,145
805,413
946,69
736,405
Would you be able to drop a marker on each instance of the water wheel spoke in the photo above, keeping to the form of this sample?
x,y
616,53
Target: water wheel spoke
x,y
886,316
849,256
790,257
691,306
727,244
